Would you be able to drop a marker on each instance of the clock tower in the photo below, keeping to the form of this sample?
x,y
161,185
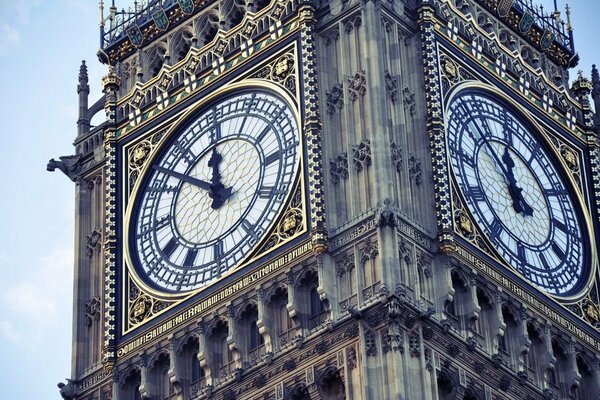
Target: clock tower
x,y
343,199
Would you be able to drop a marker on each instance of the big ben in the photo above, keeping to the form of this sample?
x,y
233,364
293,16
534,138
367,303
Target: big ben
x,y
344,199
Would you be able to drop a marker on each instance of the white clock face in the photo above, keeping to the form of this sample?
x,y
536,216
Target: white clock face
x,y
514,193
215,190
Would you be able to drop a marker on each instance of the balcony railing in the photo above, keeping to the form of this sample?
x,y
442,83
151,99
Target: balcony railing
x,y
286,339
316,321
350,302
197,386
256,355
545,21
117,22
369,293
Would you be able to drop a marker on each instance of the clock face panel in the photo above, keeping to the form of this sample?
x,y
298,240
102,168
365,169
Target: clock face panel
x,y
214,191
515,193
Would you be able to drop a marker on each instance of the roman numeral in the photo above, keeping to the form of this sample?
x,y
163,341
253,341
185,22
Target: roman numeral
x,y
561,226
170,247
496,228
271,158
558,251
262,134
216,133
218,250
163,221
190,258
186,154
476,193
249,228
521,253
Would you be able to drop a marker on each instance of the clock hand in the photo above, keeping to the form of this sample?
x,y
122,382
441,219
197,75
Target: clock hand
x,y
218,192
514,191
186,178
519,203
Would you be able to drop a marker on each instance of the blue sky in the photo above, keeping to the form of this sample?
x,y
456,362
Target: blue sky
x,y
42,43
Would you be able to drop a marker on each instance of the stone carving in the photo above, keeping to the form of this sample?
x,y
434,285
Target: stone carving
x,y
370,346
414,169
339,167
92,310
409,99
361,154
391,86
357,85
351,357
397,156
93,241
335,98
68,165
414,343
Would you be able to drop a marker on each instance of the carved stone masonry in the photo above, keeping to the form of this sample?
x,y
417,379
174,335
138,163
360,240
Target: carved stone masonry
x,y
414,169
391,86
414,343
361,154
93,240
370,346
357,85
339,167
335,98
92,310
397,156
409,99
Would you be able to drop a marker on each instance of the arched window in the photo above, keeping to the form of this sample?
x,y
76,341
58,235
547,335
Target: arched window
x,y
253,342
282,327
589,386
313,310
221,357
130,388
509,344
159,377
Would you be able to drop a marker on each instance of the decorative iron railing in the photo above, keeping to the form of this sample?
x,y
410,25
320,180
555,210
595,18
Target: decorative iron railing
x,y
532,14
114,26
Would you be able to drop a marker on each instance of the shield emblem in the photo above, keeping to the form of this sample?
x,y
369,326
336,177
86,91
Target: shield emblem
x,y
135,35
547,39
526,22
161,20
187,6
504,7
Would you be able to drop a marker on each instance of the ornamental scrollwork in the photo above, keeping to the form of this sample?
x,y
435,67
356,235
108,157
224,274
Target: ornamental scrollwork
x,y
281,71
139,155
142,306
291,223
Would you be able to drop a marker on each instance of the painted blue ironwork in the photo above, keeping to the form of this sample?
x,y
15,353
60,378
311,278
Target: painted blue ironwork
x,y
547,22
114,27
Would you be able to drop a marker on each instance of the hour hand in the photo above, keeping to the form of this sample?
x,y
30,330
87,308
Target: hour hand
x,y
218,192
516,193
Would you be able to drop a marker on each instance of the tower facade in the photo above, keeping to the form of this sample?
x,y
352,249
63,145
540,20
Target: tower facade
x,y
344,199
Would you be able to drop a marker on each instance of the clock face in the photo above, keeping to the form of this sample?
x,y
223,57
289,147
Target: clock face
x,y
214,191
515,193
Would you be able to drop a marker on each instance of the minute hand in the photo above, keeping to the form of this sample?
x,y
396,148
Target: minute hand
x,y
186,178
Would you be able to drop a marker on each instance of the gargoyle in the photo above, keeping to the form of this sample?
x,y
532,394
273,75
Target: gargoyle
x,y
67,164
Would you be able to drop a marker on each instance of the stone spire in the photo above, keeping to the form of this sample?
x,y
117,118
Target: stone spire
x,y
83,89
596,94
